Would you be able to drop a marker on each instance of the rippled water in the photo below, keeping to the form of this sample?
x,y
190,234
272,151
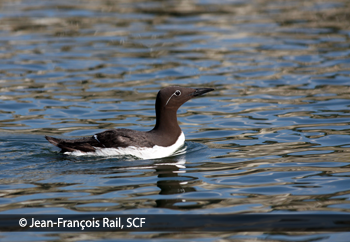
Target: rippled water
x,y
274,137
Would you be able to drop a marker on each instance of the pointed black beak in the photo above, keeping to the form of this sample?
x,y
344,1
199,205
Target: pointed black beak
x,y
200,91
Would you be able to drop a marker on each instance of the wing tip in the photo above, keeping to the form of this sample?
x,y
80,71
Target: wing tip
x,y
70,146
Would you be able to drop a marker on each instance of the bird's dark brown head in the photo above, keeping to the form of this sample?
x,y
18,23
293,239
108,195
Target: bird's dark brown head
x,y
173,97
168,101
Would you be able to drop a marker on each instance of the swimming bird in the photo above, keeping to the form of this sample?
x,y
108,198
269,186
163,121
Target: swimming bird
x,y
163,140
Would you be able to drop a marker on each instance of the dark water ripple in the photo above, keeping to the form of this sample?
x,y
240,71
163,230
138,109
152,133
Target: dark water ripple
x,y
273,138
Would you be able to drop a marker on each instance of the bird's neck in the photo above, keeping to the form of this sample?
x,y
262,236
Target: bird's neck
x,y
166,121
166,131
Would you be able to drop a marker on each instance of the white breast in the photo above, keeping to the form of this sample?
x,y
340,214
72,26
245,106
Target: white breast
x,y
143,153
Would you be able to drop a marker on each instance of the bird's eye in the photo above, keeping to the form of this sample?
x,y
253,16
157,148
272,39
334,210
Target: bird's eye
x,y
177,93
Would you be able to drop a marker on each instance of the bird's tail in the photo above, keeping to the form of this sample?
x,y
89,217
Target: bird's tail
x,y
53,140
84,144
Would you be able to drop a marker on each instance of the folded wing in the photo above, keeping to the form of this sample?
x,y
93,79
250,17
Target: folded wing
x,y
115,138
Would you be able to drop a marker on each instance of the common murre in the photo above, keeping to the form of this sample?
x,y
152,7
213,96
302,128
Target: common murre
x,y
163,140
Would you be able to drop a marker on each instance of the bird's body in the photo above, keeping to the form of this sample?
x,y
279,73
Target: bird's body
x,y
163,140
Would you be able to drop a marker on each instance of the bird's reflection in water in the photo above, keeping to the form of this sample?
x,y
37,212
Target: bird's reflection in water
x,y
172,179
170,174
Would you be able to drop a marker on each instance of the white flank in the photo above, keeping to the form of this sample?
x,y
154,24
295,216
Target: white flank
x,y
143,153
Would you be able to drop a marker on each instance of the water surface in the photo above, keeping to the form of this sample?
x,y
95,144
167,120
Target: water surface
x,y
274,136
